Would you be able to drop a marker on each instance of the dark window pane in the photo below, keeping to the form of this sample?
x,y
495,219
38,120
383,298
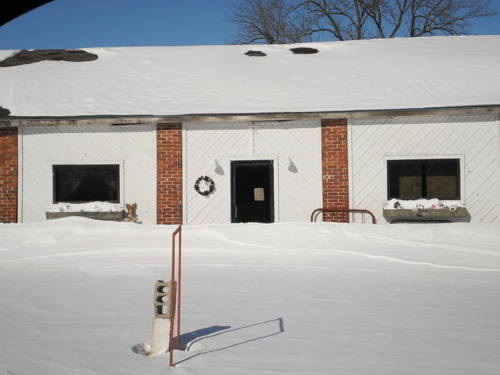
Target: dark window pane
x,y
405,179
443,179
427,178
86,183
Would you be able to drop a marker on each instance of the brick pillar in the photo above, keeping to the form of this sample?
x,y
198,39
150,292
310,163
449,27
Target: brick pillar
x,y
335,168
8,175
169,173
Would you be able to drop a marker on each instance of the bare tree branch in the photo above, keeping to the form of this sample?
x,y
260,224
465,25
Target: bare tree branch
x,y
269,21
284,21
452,17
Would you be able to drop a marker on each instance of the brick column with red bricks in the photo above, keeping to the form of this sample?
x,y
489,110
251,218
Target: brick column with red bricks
x,y
8,175
335,168
169,173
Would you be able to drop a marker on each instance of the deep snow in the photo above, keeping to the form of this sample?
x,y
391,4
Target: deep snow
x,y
356,75
76,296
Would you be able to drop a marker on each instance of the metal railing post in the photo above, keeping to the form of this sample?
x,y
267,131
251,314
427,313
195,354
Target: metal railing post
x,y
179,283
344,210
176,305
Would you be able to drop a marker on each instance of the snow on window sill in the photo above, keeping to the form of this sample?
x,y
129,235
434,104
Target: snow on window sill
x,y
86,207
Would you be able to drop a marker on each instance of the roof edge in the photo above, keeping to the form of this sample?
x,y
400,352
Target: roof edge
x,y
123,120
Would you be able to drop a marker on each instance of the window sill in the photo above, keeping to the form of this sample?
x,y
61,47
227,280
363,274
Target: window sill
x,y
426,214
96,215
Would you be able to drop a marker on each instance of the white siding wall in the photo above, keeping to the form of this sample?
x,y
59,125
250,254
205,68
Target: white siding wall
x,y
498,169
473,138
133,147
295,147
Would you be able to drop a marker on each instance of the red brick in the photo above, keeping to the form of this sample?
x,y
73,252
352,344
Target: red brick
x,y
335,168
8,175
169,173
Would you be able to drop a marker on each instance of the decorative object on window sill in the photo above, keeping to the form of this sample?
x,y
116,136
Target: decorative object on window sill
x,y
204,185
131,213
414,204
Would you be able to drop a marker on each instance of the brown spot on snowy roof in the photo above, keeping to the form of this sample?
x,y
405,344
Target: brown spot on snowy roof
x,y
255,53
32,56
303,50
4,111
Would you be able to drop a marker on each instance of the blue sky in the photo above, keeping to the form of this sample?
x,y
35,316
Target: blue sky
x,y
94,23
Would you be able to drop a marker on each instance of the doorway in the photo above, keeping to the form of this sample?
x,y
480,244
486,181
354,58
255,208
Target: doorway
x,y
252,191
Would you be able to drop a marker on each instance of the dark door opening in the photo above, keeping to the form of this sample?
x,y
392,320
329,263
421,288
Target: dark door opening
x,y
252,198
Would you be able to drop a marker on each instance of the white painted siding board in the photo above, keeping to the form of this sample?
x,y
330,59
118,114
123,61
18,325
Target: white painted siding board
x,y
475,138
300,191
134,147
206,143
497,213
296,194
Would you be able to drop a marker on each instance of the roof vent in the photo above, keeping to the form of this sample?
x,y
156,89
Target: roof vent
x,y
304,50
32,56
4,111
255,53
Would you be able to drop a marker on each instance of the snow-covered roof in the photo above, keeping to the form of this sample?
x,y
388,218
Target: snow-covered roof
x,y
375,74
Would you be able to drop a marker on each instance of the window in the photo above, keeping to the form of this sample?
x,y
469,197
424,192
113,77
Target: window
x,y
86,183
424,178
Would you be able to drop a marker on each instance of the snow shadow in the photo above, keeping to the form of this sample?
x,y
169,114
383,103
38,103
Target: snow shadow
x,y
141,348
188,338
280,328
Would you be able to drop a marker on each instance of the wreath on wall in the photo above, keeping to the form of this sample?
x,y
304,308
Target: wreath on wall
x,y
204,185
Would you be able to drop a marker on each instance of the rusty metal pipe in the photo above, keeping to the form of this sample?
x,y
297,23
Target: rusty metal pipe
x,y
344,210
179,344
171,333
175,316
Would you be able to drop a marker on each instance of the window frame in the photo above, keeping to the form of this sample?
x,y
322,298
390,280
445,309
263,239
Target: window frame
x,y
461,167
121,191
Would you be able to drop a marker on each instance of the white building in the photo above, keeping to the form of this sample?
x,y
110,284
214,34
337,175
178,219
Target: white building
x,y
267,138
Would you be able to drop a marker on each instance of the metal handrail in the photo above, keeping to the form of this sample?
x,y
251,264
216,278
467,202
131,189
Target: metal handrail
x,y
343,210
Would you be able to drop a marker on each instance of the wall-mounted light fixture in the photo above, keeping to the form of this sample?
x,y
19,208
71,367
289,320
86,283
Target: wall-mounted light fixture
x,y
218,169
291,166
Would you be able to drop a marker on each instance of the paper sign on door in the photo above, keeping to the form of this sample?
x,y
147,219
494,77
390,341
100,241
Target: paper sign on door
x,y
258,194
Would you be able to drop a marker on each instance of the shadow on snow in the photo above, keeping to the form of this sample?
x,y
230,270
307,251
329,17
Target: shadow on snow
x,y
188,339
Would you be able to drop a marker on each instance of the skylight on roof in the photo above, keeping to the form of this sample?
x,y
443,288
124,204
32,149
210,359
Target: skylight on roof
x,y
304,50
255,53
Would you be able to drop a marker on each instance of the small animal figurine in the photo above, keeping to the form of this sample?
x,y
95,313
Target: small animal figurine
x,y
131,213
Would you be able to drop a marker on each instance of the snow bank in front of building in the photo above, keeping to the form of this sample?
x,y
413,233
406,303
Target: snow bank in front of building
x,y
86,207
373,74
352,299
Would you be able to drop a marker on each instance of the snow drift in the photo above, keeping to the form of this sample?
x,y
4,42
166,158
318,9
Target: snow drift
x,y
76,298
